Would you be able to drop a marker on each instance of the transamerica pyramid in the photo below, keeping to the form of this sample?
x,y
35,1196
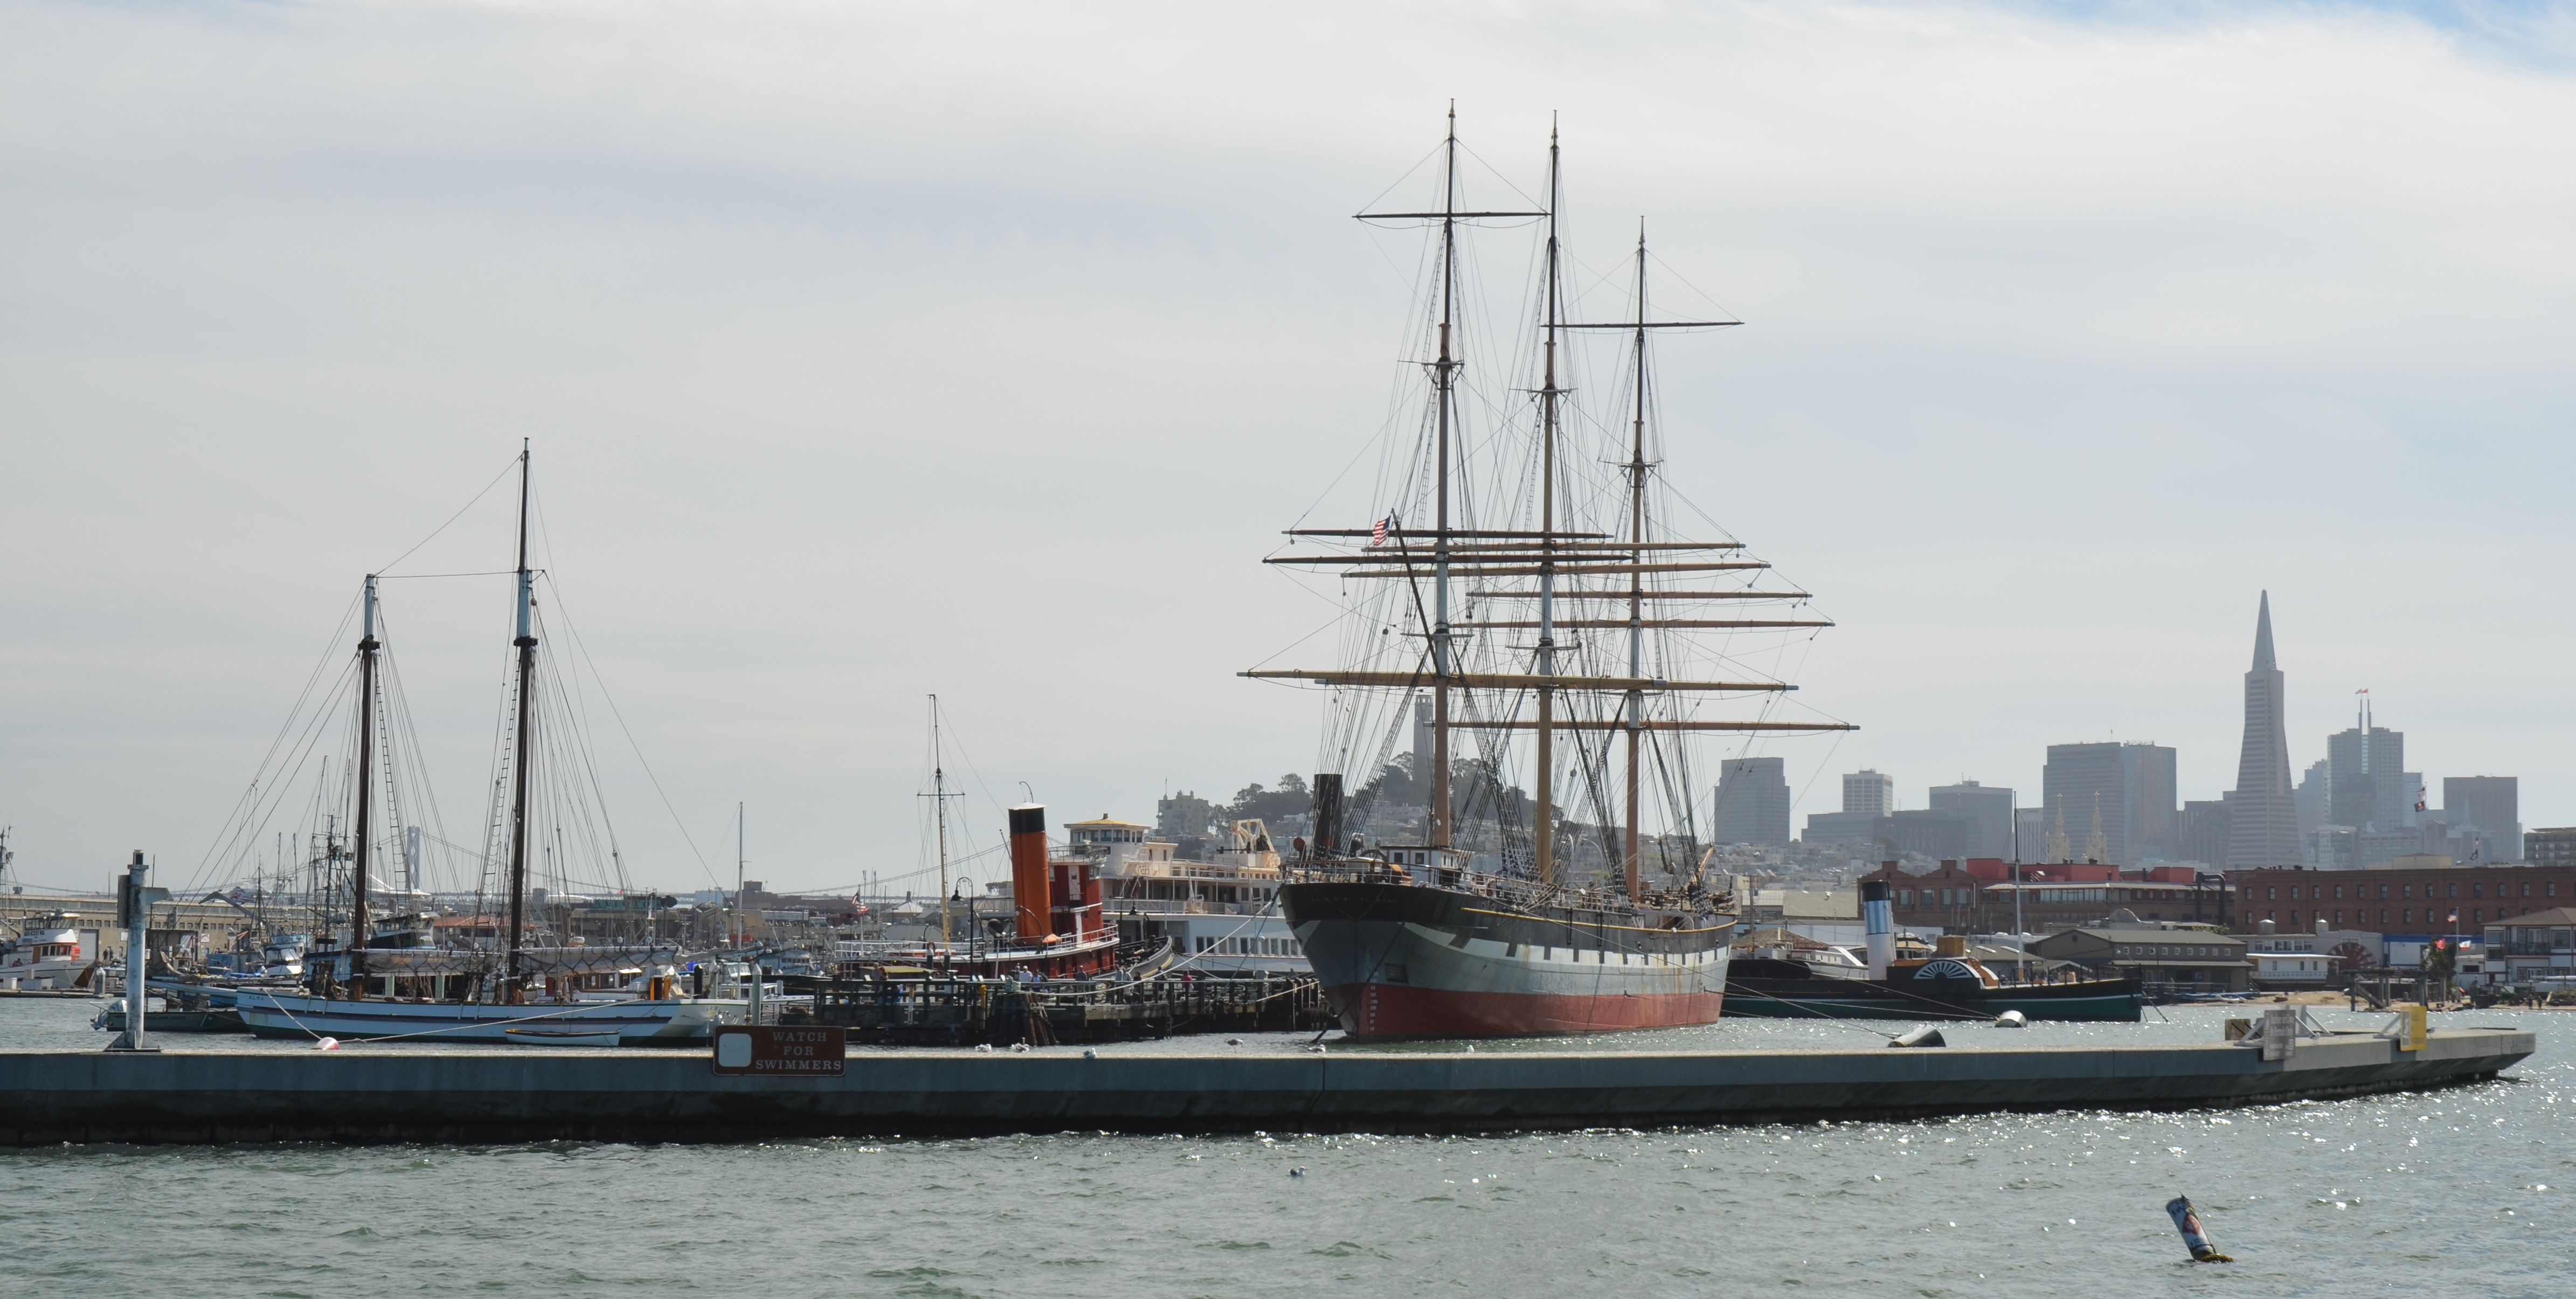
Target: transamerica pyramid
x,y
2262,816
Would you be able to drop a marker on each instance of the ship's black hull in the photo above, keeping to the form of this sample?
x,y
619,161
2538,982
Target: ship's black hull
x,y
1399,959
1766,990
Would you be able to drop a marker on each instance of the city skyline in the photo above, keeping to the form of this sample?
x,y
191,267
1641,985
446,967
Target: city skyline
x,y
974,369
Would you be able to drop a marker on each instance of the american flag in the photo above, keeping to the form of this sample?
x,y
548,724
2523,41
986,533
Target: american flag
x,y
1377,535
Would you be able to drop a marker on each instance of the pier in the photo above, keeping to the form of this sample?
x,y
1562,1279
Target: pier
x,y
526,1093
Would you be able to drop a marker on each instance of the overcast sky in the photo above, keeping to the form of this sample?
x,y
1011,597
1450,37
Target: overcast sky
x,y
870,351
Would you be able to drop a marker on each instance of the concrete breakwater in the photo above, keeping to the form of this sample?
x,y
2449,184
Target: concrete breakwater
x,y
520,1093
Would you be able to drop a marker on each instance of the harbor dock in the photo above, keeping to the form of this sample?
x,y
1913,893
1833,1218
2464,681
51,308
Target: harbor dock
x,y
473,1094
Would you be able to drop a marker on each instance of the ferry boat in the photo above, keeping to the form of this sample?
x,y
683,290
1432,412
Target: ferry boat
x,y
1520,575
47,955
1221,916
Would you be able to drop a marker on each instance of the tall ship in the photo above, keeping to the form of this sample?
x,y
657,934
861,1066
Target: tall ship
x,y
520,965
1524,580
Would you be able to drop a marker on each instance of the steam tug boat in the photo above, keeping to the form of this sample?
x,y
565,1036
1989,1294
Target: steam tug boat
x,y
1945,983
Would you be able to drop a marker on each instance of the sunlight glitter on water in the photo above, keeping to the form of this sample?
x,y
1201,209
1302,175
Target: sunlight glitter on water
x,y
2456,1189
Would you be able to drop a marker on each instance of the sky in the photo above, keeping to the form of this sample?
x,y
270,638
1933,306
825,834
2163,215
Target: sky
x,y
872,351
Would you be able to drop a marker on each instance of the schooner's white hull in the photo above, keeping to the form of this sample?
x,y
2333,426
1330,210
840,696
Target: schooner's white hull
x,y
297,1015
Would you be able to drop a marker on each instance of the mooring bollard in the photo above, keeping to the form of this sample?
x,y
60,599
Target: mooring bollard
x,y
2188,1223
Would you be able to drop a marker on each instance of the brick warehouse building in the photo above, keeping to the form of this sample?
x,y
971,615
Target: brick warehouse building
x,y
1976,896
2397,901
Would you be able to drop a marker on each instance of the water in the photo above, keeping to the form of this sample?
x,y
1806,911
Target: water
x,y
2466,1189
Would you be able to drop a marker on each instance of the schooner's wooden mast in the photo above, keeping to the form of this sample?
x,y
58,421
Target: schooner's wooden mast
x,y
366,777
527,645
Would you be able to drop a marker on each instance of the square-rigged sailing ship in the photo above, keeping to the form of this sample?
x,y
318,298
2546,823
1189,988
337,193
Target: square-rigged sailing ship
x,y
1549,601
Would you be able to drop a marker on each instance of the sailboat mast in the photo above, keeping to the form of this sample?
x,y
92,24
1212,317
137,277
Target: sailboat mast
x,y
1444,373
939,801
1636,701
1544,830
527,643
364,821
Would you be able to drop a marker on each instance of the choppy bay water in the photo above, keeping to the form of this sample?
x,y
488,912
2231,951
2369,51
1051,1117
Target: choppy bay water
x,y
2464,1189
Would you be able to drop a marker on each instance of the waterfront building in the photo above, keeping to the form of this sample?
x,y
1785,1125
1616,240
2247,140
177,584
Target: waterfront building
x,y
2415,896
2263,813
2192,959
1977,895
2533,945
1985,810
1752,802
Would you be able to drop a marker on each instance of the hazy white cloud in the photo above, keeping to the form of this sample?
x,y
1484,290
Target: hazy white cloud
x,y
875,350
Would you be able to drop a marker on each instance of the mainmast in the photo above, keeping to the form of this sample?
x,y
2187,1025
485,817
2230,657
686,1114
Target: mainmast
x,y
1444,373
366,777
1543,830
527,643
1635,705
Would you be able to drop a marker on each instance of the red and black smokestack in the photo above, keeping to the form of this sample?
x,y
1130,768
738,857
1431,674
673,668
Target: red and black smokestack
x,y
1029,896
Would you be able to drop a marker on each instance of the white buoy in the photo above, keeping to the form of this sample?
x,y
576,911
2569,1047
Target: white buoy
x,y
1928,1035
327,1044
1089,1054
2012,1019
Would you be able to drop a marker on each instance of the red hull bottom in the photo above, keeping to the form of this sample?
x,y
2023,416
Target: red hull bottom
x,y
1398,1010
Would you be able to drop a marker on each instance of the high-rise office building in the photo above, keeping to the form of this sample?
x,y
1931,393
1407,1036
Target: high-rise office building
x,y
2204,831
1867,791
2366,776
2114,802
2263,809
1752,801
2030,834
2490,804
1986,811
2311,796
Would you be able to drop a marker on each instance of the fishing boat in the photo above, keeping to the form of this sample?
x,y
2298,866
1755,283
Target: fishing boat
x,y
390,978
47,954
1524,577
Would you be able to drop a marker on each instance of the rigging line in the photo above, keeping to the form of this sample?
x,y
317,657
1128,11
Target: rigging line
x,y
405,577
451,519
583,648
310,736
249,796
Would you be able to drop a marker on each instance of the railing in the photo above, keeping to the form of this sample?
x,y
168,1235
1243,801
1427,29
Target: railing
x,y
1509,890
